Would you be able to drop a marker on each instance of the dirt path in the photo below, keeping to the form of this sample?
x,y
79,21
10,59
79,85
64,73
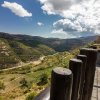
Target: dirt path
x,y
24,64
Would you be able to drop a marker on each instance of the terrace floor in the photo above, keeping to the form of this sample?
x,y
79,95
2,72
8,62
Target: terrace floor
x,y
96,88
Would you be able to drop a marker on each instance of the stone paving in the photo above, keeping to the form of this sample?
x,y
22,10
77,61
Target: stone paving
x,y
96,88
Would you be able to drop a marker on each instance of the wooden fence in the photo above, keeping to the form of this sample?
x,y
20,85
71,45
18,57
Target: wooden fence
x,y
75,83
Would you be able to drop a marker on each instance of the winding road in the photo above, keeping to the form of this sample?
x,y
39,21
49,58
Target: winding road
x,y
25,64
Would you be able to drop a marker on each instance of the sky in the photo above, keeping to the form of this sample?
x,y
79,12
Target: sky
x,y
50,18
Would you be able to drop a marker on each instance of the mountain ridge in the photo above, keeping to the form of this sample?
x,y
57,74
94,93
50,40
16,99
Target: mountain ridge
x,y
22,48
55,43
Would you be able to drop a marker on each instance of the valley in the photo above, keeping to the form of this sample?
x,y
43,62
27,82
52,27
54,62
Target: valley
x,y
19,83
18,49
26,62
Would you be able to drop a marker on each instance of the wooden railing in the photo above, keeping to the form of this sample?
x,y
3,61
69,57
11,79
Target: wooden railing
x,y
75,83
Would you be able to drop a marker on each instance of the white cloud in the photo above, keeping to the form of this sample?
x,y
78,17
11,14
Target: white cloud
x,y
73,28
17,9
80,17
40,24
56,7
61,34
68,25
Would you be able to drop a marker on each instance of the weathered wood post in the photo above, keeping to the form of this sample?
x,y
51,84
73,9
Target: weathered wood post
x,y
84,60
90,71
98,57
75,65
61,84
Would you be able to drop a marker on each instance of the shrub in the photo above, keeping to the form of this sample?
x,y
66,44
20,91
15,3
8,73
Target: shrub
x,y
11,79
2,86
43,79
31,96
1,98
24,82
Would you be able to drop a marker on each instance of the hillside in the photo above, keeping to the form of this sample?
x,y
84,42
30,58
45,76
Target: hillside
x,y
20,83
7,55
15,49
13,52
27,81
54,43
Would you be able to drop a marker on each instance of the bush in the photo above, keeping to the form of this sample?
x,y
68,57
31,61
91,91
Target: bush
x,y
1,98
31,96
2,86
43,79
24,82
11,79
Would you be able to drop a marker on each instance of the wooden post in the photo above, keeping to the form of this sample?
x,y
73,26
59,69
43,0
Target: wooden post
x,y
61,84
75,65
90,71
84,60
98,57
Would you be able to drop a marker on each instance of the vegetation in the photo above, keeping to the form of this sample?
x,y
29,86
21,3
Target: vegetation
x,y
25,82
31,96
2,86
43,79
21,82
15,49
13,52
7,56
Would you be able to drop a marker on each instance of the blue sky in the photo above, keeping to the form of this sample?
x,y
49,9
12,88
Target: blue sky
x,y
11,23
50,18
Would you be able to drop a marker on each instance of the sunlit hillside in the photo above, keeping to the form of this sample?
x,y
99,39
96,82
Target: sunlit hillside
x,y
20,83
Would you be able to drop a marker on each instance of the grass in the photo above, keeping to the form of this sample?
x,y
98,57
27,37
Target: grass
x,y
32,75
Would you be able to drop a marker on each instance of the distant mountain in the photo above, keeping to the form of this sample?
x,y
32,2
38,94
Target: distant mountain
x,y
54,43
